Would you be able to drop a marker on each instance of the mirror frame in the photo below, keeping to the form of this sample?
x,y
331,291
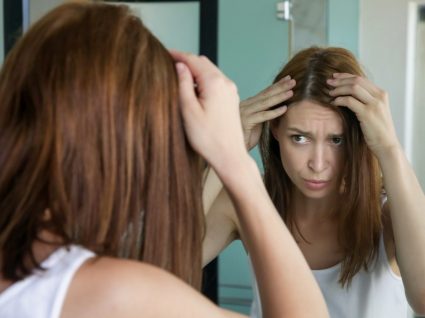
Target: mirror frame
x,y
15,20
208,24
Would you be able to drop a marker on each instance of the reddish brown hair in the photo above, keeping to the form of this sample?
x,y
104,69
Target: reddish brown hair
x,y
359,215
90,129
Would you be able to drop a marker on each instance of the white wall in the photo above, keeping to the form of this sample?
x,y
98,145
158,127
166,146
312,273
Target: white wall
x,y
418,132
382,50
383,42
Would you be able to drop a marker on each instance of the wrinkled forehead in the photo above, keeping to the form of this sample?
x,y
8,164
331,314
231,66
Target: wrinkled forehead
x,y
310,116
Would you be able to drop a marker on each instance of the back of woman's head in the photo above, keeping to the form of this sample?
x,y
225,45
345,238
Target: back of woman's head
x,y
92,141
359,212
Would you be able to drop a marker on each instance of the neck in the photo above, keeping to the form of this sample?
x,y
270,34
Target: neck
x,y
314,210
315,223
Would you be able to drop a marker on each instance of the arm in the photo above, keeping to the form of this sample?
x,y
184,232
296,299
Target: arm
x,y
286,284
222,227
285,281
406,203
222,222
406,200
211,189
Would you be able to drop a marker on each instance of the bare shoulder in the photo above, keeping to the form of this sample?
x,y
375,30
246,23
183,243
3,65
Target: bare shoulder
x,y
108,287
389,241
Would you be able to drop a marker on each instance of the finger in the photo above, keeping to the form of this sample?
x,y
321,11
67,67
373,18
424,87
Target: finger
x,y
198,65
343,75
177,55
350,78
278,88
187,96
283,84
272,96
352,103
354,90
266,102
259,118
372,88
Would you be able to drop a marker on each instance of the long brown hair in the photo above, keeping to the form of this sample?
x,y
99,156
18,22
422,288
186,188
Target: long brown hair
x,y
359,215
91,131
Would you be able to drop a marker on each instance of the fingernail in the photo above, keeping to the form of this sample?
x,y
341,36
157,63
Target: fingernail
x,y
330,81
180,67
287,77
335,74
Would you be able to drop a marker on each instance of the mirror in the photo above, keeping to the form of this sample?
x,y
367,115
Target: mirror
x,y
163,19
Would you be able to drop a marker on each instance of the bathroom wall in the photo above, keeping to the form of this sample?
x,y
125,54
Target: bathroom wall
x,y
388,42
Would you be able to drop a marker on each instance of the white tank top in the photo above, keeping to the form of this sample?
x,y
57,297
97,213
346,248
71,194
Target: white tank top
x,y
378,293
42,294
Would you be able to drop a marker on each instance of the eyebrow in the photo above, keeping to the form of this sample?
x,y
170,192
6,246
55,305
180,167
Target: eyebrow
x,y
307,133
297,130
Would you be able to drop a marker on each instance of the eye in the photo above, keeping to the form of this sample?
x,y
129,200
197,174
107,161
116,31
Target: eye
x,y
299,139
337,141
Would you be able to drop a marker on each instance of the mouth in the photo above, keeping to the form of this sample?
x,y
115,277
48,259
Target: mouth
x,y
316,184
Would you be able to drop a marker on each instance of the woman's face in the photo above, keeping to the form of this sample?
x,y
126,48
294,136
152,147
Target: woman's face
x,y
311,145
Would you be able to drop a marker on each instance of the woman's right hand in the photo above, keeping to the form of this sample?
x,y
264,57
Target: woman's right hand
x,y
256,110
209,104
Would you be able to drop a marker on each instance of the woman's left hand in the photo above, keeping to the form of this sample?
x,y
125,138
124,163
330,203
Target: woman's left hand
x,y
371,106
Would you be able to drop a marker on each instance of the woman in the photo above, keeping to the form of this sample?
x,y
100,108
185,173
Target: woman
x,y
101,212
323,161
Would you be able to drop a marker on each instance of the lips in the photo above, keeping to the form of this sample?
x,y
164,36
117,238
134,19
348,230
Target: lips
x,y
316,184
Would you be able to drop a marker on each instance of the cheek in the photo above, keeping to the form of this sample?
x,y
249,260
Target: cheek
x,y
292,158
338,160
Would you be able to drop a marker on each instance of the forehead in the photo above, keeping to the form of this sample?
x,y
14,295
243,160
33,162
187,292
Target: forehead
x,y
308,115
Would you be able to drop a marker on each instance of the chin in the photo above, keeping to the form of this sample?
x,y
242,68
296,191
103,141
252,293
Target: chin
x,y
316,195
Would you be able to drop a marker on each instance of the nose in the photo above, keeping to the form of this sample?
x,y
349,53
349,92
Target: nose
x,y
317,161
